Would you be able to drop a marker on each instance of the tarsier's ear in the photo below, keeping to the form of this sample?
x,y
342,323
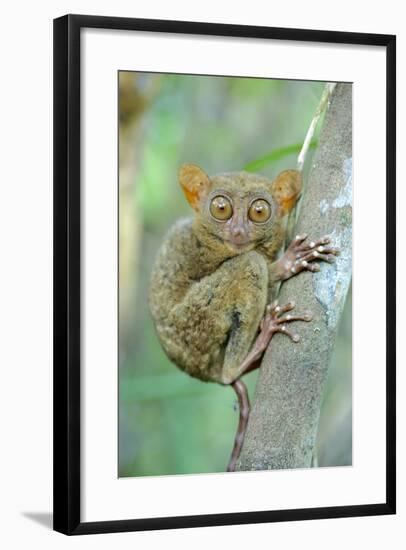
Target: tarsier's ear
x,y
286,189
195,183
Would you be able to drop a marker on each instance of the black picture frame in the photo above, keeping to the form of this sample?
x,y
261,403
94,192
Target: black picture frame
x,y
67,273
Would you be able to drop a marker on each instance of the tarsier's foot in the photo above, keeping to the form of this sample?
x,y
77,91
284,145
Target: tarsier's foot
x,y
275,321
301,253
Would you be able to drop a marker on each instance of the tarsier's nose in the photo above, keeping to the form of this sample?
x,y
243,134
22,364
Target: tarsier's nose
x,y
239,234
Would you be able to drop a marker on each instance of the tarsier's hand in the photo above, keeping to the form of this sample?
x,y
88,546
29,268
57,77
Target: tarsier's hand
x,y
301,253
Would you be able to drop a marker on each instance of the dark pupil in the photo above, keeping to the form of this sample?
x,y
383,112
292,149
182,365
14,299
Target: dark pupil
x,y
221,204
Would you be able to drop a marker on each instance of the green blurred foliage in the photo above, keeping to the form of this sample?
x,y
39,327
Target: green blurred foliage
x,y
170,423
276,154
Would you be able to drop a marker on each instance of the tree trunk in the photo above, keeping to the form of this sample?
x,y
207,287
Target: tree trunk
x,y
283,424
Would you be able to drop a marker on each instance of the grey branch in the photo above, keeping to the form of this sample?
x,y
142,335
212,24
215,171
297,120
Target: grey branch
x,y
284,420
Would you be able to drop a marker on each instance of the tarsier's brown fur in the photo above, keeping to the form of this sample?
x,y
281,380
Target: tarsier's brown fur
x,y
213,279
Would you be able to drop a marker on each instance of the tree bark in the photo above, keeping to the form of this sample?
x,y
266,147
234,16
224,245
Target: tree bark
x,y
284,420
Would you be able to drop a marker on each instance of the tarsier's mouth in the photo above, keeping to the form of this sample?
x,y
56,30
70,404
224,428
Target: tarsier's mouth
x,y
239,245
233,243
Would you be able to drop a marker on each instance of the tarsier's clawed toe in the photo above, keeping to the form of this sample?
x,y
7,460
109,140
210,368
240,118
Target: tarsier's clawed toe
x,y
275,320
302,252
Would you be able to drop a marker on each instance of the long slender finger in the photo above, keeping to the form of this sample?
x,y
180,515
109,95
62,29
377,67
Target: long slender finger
x,y
300,265
289,318
297,241
314,268
278,310
315,255
316,251
327,250
313,244
293,336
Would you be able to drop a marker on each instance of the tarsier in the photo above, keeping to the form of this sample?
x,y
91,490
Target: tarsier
x,y
215,277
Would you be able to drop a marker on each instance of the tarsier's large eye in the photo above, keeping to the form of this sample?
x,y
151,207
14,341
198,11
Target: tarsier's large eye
x,y
259,211
220,208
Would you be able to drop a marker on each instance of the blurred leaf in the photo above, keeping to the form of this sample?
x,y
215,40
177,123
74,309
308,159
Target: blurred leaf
x,y
275,155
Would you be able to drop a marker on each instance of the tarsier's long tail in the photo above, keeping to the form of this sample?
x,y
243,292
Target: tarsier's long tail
x,y
244,406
